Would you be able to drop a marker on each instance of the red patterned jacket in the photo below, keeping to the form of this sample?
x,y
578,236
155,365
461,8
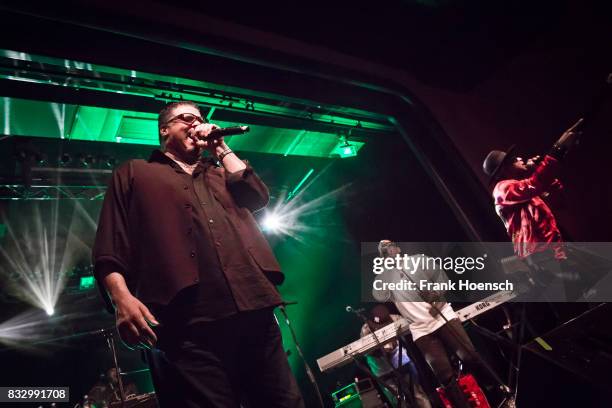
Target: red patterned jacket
x,y
527,218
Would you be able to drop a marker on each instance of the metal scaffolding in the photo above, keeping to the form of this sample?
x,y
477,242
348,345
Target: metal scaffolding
x,y
51,192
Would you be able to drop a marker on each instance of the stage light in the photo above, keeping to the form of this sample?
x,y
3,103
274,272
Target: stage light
x,y
24,329
347,150
59,112
41,159
34,330
87,282
293,216
37,259
294,192
7,116
272,222
65,159
110,162
86,160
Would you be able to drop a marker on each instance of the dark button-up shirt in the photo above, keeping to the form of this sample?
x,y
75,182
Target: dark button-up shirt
x,y
527,218
187,239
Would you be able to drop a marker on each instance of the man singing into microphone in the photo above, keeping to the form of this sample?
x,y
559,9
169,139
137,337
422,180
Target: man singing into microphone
x,y
518,192
190,275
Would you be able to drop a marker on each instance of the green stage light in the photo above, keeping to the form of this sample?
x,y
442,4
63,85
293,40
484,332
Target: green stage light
x,y
87,282
347,150
300,184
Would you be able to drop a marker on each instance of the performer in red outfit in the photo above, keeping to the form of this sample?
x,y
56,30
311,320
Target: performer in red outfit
x,y
518,194
526,216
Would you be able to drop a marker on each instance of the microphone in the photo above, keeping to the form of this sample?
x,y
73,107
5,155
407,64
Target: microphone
x,y
349,309
228,131
531,162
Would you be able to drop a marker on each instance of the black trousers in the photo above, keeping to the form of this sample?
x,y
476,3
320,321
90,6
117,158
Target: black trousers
x,y
226,363
451,337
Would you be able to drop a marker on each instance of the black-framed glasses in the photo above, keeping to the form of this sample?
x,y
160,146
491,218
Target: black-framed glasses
x,y
188,118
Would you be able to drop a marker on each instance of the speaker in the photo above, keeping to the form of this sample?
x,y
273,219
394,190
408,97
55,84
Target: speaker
x,y
360,394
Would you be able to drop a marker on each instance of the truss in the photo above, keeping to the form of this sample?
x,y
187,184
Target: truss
x,y
51,192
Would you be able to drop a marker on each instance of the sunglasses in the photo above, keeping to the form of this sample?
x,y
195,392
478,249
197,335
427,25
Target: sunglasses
x,y
188,118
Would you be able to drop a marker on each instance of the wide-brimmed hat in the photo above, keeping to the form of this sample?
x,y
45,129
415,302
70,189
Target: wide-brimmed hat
x,y
495,160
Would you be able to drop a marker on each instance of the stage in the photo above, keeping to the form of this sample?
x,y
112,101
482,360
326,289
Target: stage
x,y
367,122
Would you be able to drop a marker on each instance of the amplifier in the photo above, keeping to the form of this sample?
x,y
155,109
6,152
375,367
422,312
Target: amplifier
x,y
360,394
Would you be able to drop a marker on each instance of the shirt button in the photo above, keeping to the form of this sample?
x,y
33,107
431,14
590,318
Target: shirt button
x,y
186,187
187,206
203,203
210,221
192,254
218,243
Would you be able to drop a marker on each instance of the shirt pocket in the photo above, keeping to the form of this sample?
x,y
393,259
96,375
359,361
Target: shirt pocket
x,y
218,189
264,259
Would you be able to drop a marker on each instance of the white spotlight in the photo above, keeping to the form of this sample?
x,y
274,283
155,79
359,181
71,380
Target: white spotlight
x,y
35,262
26,328
272,223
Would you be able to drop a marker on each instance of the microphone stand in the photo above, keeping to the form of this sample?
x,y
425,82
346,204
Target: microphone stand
x,y
111,344
400,344
309,372
399,394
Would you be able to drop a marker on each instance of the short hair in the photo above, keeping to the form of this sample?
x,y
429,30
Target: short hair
x,y
166,113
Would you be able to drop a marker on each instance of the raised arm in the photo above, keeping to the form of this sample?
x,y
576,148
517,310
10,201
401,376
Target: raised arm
x,y
243,184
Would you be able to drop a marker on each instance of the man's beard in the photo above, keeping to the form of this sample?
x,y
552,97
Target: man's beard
x,y
186,150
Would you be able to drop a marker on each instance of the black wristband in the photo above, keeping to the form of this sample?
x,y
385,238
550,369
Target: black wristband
x,y
225,153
